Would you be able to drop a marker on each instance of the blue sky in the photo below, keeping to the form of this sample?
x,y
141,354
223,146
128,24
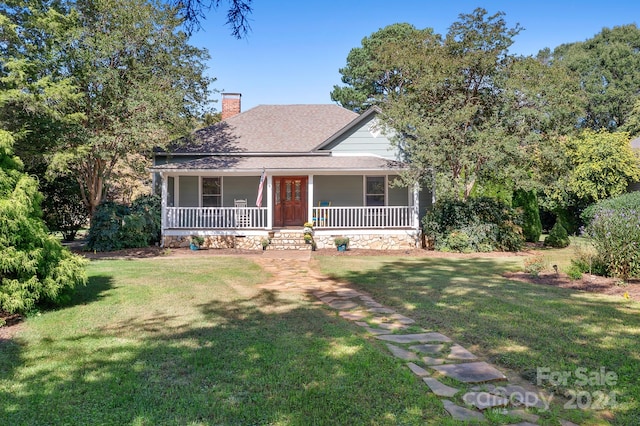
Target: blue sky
x,y
296,47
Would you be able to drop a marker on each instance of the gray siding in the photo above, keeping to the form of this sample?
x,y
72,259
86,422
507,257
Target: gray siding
x,y
189,191
397,195
242,187
363,141
342,191
424,198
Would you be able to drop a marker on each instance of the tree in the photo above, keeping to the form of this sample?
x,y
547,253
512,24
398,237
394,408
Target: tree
x,y
136,81
531,224
193,11
378,69
35,267
603,164
609,69
62,207
466,108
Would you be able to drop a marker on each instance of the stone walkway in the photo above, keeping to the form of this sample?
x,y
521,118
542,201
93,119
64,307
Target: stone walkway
x,y
443,365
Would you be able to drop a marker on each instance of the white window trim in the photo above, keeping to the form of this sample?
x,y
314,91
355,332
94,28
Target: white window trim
x,y
364,189
200,184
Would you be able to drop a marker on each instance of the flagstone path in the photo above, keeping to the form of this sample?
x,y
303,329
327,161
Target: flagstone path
x,y
444,366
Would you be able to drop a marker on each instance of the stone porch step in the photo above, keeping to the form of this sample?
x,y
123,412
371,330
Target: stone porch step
x,y
288,240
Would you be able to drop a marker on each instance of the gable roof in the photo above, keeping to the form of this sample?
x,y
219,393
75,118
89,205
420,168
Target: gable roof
x,y
349,127
270,129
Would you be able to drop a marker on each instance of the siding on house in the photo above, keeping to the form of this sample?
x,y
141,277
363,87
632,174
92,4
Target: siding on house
x,y
425,198
397,195
368,138
189,191
240,187
342,191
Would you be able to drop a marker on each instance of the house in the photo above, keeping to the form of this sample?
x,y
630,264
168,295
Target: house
x,y
320,163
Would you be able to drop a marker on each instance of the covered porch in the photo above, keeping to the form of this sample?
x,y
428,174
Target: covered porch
x,y
330,202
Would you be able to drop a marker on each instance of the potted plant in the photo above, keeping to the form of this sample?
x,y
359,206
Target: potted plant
x,y
341,243
196,242
265,243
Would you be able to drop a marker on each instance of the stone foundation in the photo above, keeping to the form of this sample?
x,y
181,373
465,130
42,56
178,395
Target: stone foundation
x,y
372,242
254,242
217,242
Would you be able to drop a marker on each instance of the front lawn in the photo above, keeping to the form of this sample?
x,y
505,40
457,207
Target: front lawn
x,y
195,341
515,325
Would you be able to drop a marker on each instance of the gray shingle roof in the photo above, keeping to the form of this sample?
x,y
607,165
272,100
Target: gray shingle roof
x,y
300,163
271,128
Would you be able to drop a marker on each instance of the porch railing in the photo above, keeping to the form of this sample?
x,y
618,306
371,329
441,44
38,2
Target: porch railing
x,y
365,217
216,217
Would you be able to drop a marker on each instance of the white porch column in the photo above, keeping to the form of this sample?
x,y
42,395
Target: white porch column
x,y
269,202
310,199
163,208
416,206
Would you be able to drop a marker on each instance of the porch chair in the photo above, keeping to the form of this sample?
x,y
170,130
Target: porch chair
x,y
323,214
242,215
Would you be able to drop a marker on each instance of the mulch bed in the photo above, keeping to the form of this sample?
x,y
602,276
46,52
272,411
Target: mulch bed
x,y
589,283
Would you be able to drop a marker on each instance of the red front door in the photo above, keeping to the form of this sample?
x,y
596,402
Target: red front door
x,y
290,200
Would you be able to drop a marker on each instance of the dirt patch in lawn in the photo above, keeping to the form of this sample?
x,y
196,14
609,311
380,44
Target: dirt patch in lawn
x,y
589,283
12,324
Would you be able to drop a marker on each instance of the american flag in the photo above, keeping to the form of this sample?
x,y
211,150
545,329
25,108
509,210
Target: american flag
x,y
262,178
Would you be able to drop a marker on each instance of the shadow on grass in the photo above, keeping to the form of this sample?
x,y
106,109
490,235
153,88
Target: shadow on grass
x,y
517,325
10,349
258,360
95,289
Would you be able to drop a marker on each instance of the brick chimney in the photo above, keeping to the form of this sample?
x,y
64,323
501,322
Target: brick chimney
x,y
230,105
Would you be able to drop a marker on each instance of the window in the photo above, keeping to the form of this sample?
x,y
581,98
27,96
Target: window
x,y
375,190
211,192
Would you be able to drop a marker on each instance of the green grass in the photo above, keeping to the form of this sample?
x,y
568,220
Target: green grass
x,y
195,341
562,257
517,326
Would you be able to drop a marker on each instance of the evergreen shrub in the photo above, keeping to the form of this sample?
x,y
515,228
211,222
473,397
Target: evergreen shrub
x,y
531,224
116,226
477,224
558,237
34,267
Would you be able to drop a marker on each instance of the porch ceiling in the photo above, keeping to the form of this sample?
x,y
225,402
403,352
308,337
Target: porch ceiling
x,y
298,163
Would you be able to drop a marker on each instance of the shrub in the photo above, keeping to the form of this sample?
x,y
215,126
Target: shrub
x,y
197,240
588,261
35,266
534,265
478,224
615,233
341,241
531,224
458,241
558,237
62,206
574,272
116,226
